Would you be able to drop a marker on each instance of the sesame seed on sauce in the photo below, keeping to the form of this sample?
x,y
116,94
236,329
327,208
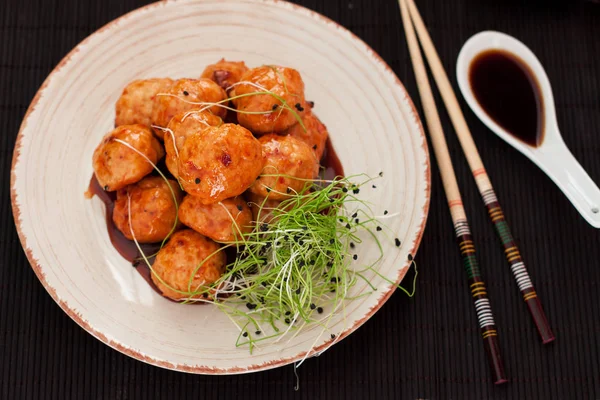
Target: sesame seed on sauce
x,y
299,107
315,147
288,190
274,107
186,93
239,207
197,180
398,242
268,189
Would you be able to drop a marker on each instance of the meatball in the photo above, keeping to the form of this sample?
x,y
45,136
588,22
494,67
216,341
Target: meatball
x,y
176,261
135,104
181,96
219,162
292,160
181,126
153,209
224,221
225,73
262,208
282,81
116,165
314,133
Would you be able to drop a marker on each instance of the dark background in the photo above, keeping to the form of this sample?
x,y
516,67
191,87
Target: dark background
x,y
425,347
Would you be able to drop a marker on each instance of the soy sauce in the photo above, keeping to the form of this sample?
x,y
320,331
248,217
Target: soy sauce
x,y
508,92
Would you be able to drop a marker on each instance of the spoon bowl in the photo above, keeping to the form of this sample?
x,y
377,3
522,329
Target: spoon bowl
x,y
551,154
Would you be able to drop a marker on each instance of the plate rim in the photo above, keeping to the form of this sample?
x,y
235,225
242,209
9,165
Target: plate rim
x,y
198,369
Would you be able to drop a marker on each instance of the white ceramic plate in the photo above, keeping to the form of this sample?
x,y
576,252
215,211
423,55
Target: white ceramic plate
x,y
371,120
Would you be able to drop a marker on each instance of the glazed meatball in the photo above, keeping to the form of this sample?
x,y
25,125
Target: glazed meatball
x,y
153,209
262,208
224,221
219,162
282,81
177,260
179,96
183,125
225,73
289,158
314,133
116,165
135,104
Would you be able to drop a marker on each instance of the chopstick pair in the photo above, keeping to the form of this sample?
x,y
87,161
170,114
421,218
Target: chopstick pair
x,y
410,16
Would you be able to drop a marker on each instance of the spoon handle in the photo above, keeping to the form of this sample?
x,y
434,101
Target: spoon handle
x,y
563,168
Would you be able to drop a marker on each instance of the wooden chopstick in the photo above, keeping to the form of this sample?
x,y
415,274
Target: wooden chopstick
x,y
484,184
457,211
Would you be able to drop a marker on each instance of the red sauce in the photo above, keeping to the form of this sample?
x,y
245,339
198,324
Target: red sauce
x,y
129,250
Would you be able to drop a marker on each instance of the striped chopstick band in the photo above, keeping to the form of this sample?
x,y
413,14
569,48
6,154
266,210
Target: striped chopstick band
x,y
513,256
478,290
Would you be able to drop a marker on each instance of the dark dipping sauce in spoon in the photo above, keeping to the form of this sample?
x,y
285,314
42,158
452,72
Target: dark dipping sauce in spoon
x,y
127,248
506,89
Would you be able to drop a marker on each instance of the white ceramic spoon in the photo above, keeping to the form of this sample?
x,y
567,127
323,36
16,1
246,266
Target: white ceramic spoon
x,y
552,155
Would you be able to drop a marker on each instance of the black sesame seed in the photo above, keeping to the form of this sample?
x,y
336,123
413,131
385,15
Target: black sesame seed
x,y
410,257
299,107
136,263
298,291
378,229
320,310
381,173
347,226
239,207
354,215
288,190
258,332
341,220
197,180
287,320
313,306
352,245
398,242
355,191
332,290
243,297
288,313
331,241
331,199
311,104
345,189
268,189
274,107
245,334
374,187
385,212
315,147
357,220
355,257
301,263
185,93
332,336
106,187
335,279
301,242
251,306
264,227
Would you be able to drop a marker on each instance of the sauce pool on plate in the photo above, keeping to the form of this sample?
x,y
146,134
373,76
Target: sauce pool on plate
x,y
506,89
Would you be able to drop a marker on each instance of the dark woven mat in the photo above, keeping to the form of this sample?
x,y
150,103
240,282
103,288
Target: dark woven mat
x,y
425,347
